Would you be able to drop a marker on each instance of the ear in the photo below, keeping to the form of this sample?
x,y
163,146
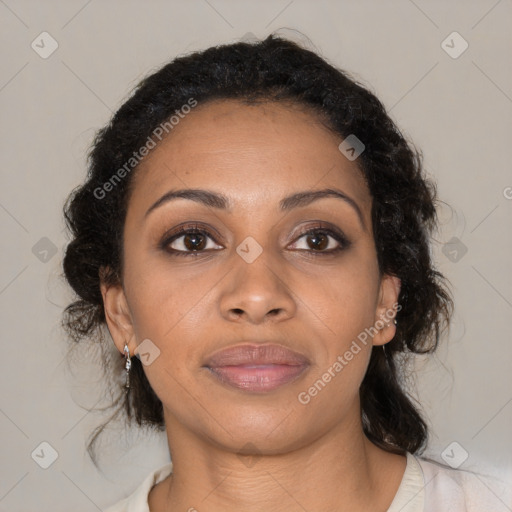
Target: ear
x,y
387,308
118,316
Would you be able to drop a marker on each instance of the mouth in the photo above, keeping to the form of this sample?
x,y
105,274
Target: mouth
x,y
257,368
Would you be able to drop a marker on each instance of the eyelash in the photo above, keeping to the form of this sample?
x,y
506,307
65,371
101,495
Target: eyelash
x,y
342,240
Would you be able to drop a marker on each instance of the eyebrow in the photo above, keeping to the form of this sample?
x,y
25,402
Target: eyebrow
x,y
219,201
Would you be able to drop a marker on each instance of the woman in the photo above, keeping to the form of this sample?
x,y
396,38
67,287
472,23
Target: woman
x,y
256,229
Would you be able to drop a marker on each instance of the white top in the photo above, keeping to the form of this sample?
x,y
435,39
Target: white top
x,y
425,487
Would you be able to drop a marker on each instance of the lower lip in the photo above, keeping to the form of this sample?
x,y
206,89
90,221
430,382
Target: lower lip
x,y
265,377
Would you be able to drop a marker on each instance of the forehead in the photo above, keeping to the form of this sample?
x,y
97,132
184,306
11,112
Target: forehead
x,y
251,153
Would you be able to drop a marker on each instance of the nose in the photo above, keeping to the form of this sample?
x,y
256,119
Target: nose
x,y
257,292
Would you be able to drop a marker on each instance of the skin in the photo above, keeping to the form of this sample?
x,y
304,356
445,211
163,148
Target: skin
x,y
301,457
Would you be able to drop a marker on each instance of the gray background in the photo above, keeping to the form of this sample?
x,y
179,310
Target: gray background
x,y
458,110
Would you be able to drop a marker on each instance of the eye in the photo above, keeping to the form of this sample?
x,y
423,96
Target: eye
x,y
193,240
189,241
322,241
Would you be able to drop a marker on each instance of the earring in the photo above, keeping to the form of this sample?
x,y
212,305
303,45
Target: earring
x,y
128,364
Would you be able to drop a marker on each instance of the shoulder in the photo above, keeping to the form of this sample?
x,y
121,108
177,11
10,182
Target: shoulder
x,y
457,490
137,501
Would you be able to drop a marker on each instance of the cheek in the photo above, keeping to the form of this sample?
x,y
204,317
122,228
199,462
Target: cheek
x,y
164,299
172,307
345,297
345,306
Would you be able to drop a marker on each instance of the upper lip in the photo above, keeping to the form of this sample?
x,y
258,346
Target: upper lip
x,y
256,354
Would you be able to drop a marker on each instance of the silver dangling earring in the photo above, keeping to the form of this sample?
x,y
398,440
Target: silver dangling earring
x,y
128,365
384,346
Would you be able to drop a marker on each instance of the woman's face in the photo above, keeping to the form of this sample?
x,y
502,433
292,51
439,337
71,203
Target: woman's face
x,y
247,276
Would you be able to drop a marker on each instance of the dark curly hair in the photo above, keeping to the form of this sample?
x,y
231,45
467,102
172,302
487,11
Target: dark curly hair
x,y
403,213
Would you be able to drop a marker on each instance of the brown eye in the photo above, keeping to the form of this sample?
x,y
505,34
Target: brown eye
x,y
322,241
189,241
318,240
194,241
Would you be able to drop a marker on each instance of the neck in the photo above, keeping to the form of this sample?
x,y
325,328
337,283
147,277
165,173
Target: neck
x,y
339,471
